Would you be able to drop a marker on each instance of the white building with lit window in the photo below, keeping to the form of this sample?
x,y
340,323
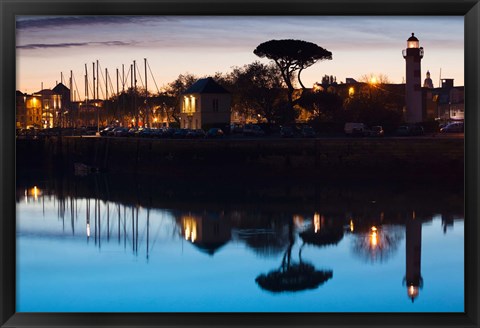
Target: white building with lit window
x,y
204,105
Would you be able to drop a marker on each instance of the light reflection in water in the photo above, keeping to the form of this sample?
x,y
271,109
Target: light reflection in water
x,y
316,222
373,236
190,228
33,192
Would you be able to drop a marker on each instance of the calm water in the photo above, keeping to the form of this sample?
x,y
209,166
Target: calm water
x,y
107,245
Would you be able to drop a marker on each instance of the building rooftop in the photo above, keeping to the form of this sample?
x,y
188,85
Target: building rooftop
x,y
207,85
45,92
59,88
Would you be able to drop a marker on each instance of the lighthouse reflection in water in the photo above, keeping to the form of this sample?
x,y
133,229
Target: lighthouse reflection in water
x,y
379,251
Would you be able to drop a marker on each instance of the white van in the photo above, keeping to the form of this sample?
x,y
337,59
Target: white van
x,y
355,128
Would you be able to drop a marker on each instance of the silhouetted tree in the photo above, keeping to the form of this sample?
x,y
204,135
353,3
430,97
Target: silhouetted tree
x,y
127,105
292,57
323,105
379,78
376,102
256,89
328,80
173,93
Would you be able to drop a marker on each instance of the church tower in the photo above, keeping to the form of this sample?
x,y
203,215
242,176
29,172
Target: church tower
x,y
428,83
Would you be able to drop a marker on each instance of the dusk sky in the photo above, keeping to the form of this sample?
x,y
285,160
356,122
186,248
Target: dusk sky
x,y
203,45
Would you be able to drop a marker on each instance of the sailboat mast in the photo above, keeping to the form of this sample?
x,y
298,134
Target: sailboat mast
x,y
93,74
71,99
146,94
117,82
98,95
86,88
106,84
135,92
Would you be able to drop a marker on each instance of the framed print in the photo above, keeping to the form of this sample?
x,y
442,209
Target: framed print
x,y
275,163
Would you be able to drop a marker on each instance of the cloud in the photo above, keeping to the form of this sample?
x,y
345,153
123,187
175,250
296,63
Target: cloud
x,y
30,22
74,44
46,46
112,43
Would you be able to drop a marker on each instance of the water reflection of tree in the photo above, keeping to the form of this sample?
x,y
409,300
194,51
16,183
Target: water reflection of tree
x,y
264,242
265,233
293,276
377,244
323,231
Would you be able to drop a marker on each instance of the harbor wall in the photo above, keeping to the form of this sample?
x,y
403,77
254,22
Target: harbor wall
x,y
401,158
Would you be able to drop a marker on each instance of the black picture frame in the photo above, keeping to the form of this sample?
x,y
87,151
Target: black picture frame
x,y
470,9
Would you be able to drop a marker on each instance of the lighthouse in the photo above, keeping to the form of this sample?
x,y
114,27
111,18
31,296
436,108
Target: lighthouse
x,y
413,91
413,245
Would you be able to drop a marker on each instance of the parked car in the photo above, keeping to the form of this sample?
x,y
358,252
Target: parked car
x,y
157,133
92,131
253,130
111,132
416,130
377,131
132,131
410,130
214,133
286,132
402,130
144,133
355,129
236,128
195,134
106,131
30,133
120,132
180,133
307,132
360,132
455,127
168,132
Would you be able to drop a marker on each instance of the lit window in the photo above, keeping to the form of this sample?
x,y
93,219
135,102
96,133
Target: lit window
x,y
351,91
